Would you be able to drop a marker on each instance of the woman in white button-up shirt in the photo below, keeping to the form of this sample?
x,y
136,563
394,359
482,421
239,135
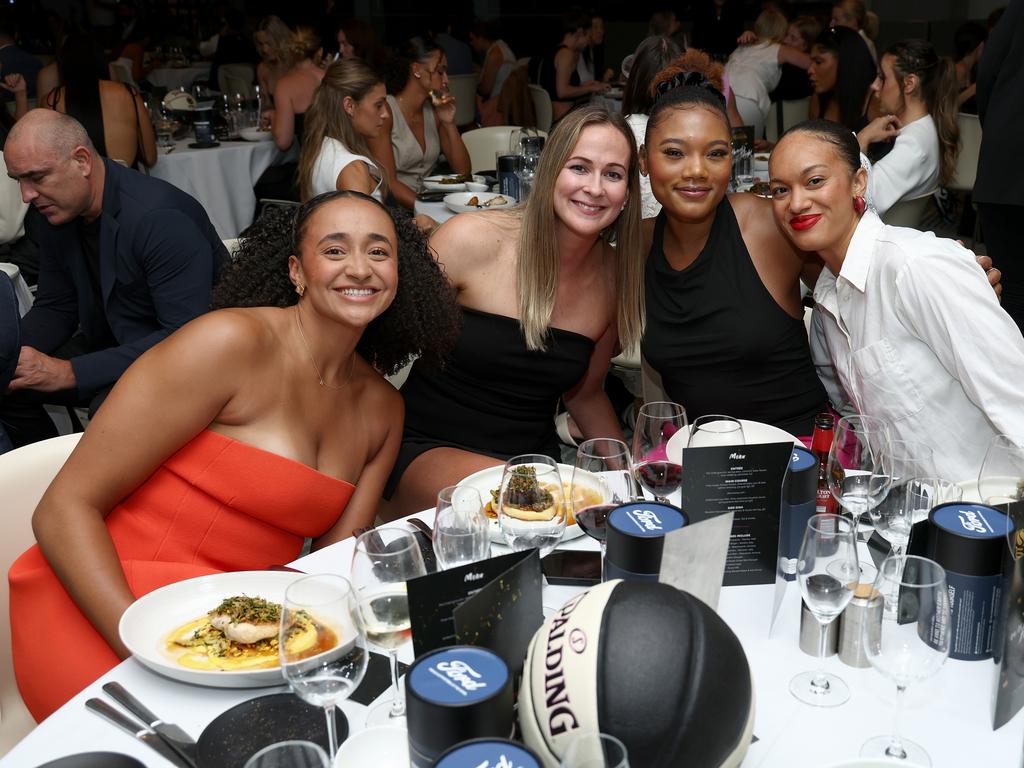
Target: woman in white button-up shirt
x,y
915,332
917,95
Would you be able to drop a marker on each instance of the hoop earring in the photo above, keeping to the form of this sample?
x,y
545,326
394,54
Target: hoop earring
x,y
859,205
300,289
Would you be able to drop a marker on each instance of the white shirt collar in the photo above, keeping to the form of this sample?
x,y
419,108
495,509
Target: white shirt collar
x,y
857,263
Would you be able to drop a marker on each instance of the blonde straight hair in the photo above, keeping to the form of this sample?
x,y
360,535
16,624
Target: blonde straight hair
x,y
538,262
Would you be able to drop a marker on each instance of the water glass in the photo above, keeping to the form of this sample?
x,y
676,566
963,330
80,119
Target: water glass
x,y
531,512
326,673
461,529
860,464
828,573
595,750
714,430
1001,479
656,423
290,754
909,504
908,641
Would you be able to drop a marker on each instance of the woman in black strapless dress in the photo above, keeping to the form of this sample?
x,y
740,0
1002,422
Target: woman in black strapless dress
x,y
547,290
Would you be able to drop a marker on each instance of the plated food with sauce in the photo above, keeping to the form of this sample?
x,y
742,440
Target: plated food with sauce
x,y
220,630
462,202
450,182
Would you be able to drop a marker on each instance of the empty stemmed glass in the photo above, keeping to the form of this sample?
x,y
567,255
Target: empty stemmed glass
x,y
289,754
713,430
908,641
909,504
326,671
462,532
602,479
595,750
860,464
384,560
910,459
1001,479
531,513
656,423
828,573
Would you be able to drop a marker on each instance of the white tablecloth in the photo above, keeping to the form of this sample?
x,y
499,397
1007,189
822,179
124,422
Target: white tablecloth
x,y
21,290
178,77
948,714
220,178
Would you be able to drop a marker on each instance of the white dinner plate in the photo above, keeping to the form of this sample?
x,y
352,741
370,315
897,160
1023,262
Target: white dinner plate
x,y
489,479
255,134
754,433
436,183
382,746
459,201
1006,487
144,627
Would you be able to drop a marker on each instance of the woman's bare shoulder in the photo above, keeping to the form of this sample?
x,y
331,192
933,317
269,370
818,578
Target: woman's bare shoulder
x,y
476,232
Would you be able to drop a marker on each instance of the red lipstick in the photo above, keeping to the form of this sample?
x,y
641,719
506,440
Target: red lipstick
x,y
804,222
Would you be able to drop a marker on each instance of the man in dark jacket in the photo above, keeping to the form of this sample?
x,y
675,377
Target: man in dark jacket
x,y
124,258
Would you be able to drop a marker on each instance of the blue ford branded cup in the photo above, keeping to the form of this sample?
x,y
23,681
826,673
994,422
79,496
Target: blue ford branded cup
x,y
455,694
635,538
799,496
968,541
492,753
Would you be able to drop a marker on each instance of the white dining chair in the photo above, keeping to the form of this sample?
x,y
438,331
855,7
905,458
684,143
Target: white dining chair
x,y
542,106
25,474
907,213
483,143
463,88
793,112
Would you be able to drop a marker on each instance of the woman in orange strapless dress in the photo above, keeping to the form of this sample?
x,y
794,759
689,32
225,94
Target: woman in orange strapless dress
x,y
167,482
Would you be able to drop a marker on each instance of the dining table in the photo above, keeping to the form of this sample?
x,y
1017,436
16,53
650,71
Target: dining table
x,y
949,714
221,178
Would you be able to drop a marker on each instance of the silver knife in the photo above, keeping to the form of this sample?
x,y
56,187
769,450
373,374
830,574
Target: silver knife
x,y
140,732
169,732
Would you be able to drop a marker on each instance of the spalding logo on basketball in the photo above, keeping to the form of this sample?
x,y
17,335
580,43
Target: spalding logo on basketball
x,y
647,663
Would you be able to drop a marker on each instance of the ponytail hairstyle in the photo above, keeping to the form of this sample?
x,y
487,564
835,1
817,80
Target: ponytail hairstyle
x,y
692,79
937,87
651,56
415,50
303,44
327,118
855,72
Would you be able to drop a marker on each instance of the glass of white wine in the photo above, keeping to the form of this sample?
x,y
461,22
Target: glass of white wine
x,y
384,560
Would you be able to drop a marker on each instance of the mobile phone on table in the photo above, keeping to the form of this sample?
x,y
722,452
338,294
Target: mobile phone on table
x,y
572,568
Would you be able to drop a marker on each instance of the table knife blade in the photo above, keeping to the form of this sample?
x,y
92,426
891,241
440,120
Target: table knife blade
x,y
173,734
140,732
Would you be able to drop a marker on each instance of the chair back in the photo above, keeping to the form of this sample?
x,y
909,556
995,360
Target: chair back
x,y
792,112
483,143
121,71
236,78
463,88
967,158
515,101
907,213
25,474
542,106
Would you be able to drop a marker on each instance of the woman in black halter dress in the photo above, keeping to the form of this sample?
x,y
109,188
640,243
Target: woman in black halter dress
x,y
547,291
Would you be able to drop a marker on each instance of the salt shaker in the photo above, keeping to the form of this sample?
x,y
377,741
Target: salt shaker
x,y
866,606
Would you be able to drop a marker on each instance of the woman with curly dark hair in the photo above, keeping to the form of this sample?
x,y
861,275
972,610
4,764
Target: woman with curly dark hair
x,y
239,436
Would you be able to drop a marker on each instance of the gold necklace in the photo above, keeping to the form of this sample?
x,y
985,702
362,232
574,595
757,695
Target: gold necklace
x,y
319,376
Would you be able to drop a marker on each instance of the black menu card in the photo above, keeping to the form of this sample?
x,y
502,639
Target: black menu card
x,y
747,481
1008,638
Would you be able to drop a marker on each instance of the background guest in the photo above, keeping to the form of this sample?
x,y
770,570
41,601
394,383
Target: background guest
x,y
498,59
968,45
998,194
349,107
13,60
113,114
126,257
841,74
794,83
456,51
917,95
272,38
293,92
233,47
591,61
416,131
556,72
853,15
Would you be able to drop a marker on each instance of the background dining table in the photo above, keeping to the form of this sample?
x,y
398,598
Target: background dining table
x,y
178,77
949,714
221,178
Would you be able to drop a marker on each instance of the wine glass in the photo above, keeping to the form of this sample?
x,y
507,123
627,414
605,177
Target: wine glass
x,y
461,529
289,754
384,560
327,672
828,574
595,750
712,430
860,464
911,460
1001,479
531,512
908,504
602,479
908,641
655,424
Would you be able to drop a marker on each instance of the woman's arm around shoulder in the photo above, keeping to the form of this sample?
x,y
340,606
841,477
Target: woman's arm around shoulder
x,y
167,397
790,55
779,265
384,412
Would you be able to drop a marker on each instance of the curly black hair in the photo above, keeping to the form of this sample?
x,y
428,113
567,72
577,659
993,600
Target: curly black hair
x,y
424,318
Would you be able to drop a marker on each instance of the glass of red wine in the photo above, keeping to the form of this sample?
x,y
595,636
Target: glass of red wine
x,y
656,423
602,479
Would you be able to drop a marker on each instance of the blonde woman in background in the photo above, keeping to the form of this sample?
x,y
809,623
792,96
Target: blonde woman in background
x,y
271,38
550,291
293,92
853,14
348,108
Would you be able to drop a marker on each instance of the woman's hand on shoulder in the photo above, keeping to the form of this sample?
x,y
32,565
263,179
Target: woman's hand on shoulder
x,y
881,128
